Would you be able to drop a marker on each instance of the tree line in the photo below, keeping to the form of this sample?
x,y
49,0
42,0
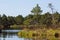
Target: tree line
x,y
36,18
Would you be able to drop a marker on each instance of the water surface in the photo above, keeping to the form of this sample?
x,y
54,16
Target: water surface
x,y
11,35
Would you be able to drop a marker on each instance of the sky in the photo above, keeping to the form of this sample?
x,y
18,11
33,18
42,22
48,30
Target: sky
x,y
24,7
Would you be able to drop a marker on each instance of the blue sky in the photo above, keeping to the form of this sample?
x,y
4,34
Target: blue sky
x,y
23,7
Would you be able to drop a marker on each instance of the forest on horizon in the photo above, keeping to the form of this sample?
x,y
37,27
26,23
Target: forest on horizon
x,y
35,18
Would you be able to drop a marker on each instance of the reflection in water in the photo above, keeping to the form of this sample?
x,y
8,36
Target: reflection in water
x,y
11,36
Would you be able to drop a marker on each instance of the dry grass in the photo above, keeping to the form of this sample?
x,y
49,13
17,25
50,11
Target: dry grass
x,y
40,33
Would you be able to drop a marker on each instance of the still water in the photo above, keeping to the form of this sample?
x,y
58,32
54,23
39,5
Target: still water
x,y
11,35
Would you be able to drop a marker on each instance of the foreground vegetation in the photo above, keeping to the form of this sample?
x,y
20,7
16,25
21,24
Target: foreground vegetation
x,y
40,34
